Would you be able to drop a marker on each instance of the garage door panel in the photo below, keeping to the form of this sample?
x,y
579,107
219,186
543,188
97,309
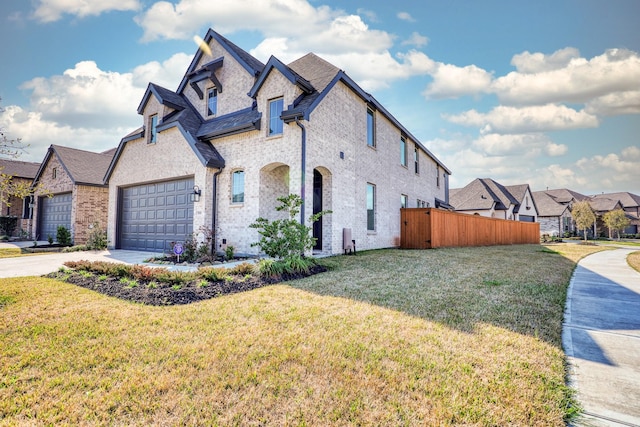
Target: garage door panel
x,y
154,215
54,212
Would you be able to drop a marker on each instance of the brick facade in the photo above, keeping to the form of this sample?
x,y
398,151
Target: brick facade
x,y
89,203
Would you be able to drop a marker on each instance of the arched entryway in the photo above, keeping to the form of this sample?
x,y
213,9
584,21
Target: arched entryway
x,y
274,183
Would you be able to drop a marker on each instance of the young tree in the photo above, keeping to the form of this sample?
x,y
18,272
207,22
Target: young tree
x,y
286,239
583,216
615,220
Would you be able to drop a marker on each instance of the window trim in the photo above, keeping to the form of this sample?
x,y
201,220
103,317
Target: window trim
x,y
371,217
403,151
209,91
235,173
404,201
438,176
371,128
416,159
54,173
279,118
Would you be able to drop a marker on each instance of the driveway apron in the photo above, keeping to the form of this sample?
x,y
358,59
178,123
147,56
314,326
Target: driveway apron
x,y
601,338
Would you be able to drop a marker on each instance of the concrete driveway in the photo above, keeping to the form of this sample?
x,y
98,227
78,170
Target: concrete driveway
x,y
601,337
38,265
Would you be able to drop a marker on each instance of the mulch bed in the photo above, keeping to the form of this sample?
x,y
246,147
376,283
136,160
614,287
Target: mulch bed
x,y
166,294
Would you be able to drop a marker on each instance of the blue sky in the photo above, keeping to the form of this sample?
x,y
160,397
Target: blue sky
x,y
545,93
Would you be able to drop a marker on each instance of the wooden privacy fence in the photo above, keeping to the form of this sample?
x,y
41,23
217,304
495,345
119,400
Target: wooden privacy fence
x,y
436,228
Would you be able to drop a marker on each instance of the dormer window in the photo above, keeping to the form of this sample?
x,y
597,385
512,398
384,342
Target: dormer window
x,y
212,101
275,121
153,131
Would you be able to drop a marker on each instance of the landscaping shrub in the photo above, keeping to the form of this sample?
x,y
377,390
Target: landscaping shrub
x,y
286,238
97,240
8,225
63,236
213,274
242,269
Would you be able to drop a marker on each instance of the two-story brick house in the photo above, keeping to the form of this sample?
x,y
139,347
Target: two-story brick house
x,y
237,134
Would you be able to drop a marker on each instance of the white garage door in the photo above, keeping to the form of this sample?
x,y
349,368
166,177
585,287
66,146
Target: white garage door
x,y
154,215
54,211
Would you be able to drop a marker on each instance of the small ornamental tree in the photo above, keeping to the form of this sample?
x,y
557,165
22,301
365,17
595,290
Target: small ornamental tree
x,y
583,216
616,220
286,239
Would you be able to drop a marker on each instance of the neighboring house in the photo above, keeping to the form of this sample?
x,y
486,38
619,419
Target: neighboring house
x,y
19,172
237,134
77,197
554,210
486,197
602,204
630,203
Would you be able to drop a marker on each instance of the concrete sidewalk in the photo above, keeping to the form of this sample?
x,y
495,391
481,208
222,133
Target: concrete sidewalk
x,y
601,337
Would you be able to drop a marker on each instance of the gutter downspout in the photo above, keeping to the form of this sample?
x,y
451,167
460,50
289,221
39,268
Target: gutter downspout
x,y
214,210
303,167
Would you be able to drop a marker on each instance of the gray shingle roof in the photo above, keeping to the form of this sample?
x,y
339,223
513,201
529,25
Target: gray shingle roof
x,y
247,119
547,205
564,195
83,167
627,199
19,169
604,204
483,193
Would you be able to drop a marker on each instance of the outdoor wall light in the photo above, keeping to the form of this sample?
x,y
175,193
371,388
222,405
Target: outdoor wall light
x,y
195,196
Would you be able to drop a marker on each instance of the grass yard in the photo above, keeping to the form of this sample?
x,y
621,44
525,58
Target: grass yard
x,y
633,259
465,336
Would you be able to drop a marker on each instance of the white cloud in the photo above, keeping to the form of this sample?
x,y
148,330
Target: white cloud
x,y
615,104
86,107
416,40
165,20
52,10
528,63
451,81
529,145
503,119
405,16
167,74
578,81
369,14
507,160
40,133
343,39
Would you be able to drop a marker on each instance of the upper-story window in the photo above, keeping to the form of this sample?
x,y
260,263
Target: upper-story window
x,y
371,128
275,111
438,176
237,187
153,131
212,101
54,173
416,159
403,151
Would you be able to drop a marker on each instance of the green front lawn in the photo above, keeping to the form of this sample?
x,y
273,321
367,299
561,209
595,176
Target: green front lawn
x,y
439,337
